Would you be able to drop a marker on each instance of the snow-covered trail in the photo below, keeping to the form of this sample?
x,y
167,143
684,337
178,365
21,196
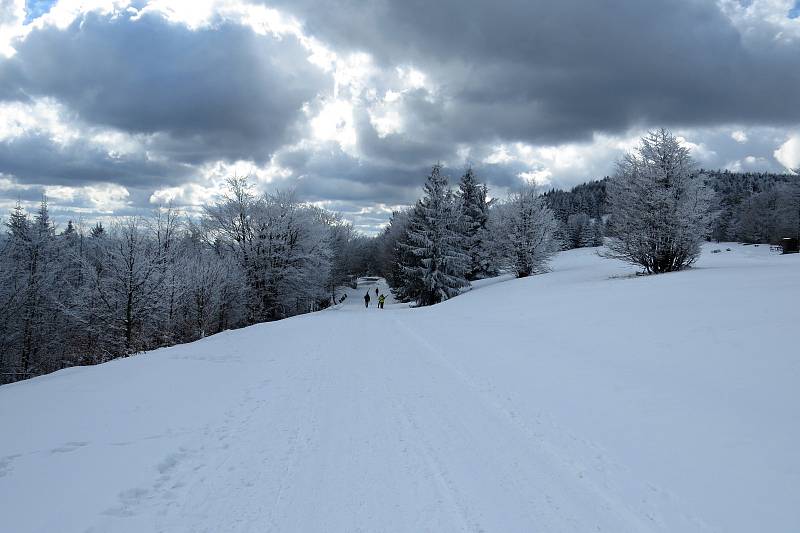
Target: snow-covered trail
x,y
361,426
379,437
481,414
375,437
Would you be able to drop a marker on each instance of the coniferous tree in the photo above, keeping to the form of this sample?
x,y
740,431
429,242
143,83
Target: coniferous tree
x,y
579,232
435,242
98,230
394,258
597,232
474,227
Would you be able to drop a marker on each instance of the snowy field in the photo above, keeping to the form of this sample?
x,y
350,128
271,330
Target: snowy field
x,y
580,400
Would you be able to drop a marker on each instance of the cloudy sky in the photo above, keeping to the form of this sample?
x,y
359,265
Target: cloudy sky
x,y
114,107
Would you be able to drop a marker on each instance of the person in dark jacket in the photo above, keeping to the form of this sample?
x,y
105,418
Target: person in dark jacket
x,y
376,292
366,299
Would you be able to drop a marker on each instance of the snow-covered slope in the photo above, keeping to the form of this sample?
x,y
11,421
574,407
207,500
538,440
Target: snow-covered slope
x,y
579,400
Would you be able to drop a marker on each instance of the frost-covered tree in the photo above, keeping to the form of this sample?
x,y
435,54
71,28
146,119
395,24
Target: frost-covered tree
x,y
67,298
435,243
475,227
660,206
283,248
526,231
29,318
131,285
207,287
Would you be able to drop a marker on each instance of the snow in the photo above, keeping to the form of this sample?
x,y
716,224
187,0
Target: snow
x,y
584,399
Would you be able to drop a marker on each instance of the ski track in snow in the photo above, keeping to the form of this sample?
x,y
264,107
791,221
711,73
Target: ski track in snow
x,y
546,455
352,419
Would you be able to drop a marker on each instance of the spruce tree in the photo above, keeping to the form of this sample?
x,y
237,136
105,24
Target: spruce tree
x,y
98,230
597,232
439,264
587,236
474,227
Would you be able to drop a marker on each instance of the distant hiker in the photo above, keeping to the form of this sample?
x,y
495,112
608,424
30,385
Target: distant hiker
x,y
366,299
381,299
376,292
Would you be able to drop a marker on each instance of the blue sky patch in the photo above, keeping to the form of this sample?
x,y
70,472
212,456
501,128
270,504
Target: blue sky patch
x,y
36,8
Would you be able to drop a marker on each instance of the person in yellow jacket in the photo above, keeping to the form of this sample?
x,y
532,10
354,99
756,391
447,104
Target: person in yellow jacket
x,y
381,299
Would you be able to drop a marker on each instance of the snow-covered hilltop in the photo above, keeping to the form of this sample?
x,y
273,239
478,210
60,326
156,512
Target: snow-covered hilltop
x,y
580,400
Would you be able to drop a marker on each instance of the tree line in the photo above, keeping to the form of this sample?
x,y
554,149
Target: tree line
x,y
749,207
432,251
87,295
656,210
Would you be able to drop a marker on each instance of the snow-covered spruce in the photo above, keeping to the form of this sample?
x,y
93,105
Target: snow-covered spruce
x,y
436,244
474,225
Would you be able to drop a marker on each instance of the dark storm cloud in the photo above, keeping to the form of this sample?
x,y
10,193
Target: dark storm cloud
x,y
325,175
37,159
426,142
540,71
221,93
332,174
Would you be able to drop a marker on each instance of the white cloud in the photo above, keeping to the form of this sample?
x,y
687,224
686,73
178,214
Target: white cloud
x,y
747,163
334,122
7,183
191,196
699,151
788,154
537,177
46,116
192,13
12,14
386,121
568,163
42,115
102,197
499,155
739,136
762,21
413,78
211,182
106,197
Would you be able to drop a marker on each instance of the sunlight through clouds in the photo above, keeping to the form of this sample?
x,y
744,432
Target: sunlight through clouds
x,y
302,94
